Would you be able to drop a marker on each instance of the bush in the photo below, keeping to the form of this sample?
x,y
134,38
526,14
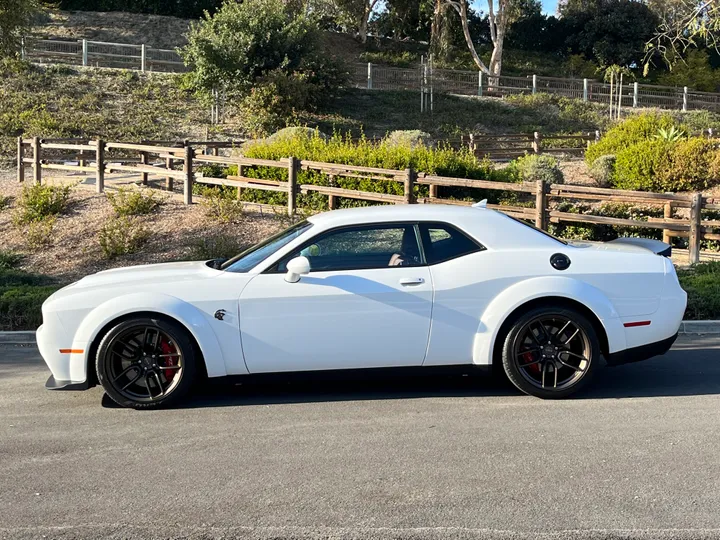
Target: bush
x,y
38,202
221,206
219,246
689,166
39,234
603,169
409,138
21,297
122,236
9,259
631,131
604,233
532,167
4,202
442,161
702,283
244,41
134,202
639,165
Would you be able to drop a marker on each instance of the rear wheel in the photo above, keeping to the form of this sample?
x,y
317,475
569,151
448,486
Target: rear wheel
x,y
551,352
146,363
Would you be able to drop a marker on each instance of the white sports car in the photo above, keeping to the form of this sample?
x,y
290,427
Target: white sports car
x,y
428,286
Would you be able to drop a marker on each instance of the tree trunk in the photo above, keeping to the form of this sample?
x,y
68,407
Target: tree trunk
x,y
440,33
363,28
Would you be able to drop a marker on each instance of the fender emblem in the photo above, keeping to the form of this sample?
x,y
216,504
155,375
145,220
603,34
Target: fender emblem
x,y
220,314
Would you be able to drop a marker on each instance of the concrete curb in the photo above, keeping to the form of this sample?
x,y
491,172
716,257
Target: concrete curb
x,y
686,327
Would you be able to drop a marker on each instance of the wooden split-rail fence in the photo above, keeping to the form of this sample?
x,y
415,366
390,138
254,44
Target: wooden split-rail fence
x,y
173,161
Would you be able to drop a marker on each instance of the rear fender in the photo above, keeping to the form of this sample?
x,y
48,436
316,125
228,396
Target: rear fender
x,y
503,305
186,314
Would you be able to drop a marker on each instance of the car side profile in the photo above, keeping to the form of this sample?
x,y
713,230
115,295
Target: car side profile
x,y
409,286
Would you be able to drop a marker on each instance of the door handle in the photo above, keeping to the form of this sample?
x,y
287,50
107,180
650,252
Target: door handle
x,y
412,281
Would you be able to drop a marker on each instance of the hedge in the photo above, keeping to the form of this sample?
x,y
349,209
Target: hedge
x,y
21,297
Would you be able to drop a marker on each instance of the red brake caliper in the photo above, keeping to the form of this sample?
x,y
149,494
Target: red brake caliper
x,y
528,357
166,348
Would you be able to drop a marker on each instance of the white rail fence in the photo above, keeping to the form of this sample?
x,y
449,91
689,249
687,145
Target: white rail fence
x,y
101,54
474,83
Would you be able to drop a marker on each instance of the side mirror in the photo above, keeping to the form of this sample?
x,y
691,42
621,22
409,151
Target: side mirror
x,y
299,266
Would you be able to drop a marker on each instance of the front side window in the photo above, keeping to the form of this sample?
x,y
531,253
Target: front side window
x,y
250,258
443,242
361,247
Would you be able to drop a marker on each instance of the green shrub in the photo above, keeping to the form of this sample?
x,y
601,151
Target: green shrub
x,y
38,202
633,130
603,169
39,234
689,166
604,233
21,297
442,161
9,259
532,167
221,206
218,246
4,201
702,283
409,138
122,236
134,202
639,165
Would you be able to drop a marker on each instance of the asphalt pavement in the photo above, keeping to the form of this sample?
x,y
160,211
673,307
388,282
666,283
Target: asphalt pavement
x,y
636,456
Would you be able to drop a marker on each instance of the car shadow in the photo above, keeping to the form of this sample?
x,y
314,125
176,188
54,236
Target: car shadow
x,y
685,371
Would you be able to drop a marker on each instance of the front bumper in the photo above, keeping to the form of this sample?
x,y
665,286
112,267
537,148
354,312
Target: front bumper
x,y
54,384
643,352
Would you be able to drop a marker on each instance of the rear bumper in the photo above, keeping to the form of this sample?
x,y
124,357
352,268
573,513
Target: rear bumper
x,y
643,352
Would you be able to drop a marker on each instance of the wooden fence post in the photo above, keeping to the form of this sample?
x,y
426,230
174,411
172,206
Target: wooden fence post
x,y
37,165
188,170
169,165
540,203
410,176
695,218
292,184
433,191
667,214
143,161
20,160
332,200
100,166
537,142
239,189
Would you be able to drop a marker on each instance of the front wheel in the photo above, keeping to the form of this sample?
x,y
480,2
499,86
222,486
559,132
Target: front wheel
x,y
550,352
146,363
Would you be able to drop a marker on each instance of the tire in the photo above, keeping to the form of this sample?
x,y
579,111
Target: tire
x,y
551,352
146,363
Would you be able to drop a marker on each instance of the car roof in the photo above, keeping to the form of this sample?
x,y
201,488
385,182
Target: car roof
x,y
491,228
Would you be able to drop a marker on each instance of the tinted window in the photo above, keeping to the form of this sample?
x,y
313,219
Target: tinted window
x,y
250,258
443,242
372,246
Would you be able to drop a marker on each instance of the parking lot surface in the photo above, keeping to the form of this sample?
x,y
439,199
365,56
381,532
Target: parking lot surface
x,y
637,456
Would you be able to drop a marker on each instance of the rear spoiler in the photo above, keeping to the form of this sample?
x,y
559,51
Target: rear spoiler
x,y
656,246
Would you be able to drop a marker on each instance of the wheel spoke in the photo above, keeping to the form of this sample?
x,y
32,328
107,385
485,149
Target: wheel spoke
x,y
163,368
156,340
147,384
556,372
125,371
159,383
580,356
132,349
544,367
139,374
575,333
168,355
560,332
570,366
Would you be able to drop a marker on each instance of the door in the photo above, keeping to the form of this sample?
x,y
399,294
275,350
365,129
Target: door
x,y
366,302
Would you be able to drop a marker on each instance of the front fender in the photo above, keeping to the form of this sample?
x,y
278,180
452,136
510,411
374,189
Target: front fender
x,y
500,308
186,314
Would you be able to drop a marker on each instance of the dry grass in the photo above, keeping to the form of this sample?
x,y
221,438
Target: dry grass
x,y
75,252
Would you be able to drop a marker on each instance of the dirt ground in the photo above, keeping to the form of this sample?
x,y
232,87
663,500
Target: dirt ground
x,y
116,27
75,251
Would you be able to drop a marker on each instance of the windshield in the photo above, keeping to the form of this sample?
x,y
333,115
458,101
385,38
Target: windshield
x,y
250,258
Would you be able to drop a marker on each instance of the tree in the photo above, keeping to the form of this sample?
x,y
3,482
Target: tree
x,y
499,15
247,40
357,15
684,24
16,18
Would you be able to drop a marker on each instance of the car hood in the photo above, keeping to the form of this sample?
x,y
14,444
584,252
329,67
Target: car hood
x,y
148,274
